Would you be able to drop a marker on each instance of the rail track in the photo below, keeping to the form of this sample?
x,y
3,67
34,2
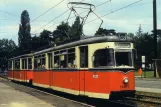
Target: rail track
x,y
146,100
48,95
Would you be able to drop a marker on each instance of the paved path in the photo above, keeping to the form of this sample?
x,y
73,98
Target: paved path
x,y
13,98
148,85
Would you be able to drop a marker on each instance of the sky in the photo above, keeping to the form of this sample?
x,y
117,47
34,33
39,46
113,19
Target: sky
x,y
126,20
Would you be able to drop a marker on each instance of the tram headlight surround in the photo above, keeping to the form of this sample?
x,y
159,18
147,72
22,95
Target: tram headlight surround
x,y
126,80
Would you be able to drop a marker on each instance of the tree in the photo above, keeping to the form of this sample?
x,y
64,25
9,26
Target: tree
x,y
7,50
76,29
35,42
105,32
61,33
45,38
130,35
141,43
24,36
139,33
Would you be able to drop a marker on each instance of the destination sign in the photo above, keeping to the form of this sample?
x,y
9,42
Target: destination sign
x,y
122,45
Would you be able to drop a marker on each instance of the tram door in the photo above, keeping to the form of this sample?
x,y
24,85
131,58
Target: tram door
x,y
82,72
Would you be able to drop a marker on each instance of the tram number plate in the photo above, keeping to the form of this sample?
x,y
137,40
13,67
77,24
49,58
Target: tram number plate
x,y
123,86
95,76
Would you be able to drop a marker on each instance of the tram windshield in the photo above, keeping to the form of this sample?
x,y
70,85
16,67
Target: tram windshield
x,y
109,58
123,58
103,57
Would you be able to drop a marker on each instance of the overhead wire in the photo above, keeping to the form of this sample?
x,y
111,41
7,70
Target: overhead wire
x,y
52,20
47,11
79,13
102,15
116,10
8,13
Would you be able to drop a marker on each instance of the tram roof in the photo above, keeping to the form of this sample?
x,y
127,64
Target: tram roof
x,y
88,40
25,55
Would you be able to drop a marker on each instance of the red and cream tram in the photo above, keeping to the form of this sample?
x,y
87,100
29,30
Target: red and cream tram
x,y
97,67
20,68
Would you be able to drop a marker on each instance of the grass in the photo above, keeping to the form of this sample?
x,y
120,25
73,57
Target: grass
x,y
147,74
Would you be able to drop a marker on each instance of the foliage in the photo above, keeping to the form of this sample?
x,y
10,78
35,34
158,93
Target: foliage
x,y
61,33
76,29
139,33
7,50
131,35
45,38
35,42
144,45
24,36
104,32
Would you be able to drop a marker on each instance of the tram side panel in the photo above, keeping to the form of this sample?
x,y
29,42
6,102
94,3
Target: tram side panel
x,y
41,78
97,84
65,81
17,75
29,76
10,74
82,82
22,75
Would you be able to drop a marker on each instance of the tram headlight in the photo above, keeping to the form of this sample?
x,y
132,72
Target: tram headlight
x,y
126,80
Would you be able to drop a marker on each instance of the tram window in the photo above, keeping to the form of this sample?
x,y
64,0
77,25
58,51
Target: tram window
x,y
9,65
123,58
84,57
29,63
71,50
17,64
71,58
39,62
56,62
24,63
63,61
50,60
36,61
103,57
63,58
42,60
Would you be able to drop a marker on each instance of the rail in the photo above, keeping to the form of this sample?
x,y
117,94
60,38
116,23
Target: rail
x,y
141,99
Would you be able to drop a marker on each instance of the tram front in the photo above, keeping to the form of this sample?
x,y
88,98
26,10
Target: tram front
x,y
113,65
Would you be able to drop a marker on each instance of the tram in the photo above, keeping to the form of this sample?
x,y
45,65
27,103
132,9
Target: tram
x,y
97,67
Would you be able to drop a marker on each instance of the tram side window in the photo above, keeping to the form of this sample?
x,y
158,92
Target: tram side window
x,y
39,62
42,60
84,57
63,59
56,60
24,63
103,57
17,64
9,65
36,60
29,63
71,58
50,60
